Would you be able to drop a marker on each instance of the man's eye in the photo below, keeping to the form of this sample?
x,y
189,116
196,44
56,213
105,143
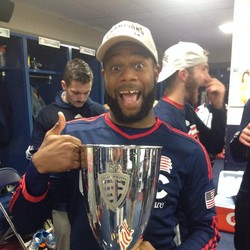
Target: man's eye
x,y
139,66
115,68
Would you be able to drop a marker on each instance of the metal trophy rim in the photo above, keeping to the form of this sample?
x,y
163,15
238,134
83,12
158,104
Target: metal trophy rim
x,y
121,146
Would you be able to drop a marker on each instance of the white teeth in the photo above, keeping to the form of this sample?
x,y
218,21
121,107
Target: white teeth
x,y
133,92
129,92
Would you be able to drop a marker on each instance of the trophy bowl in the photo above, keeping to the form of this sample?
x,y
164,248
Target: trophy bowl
x,y
120,185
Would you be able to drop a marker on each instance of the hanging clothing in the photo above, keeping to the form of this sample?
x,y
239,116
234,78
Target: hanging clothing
x,y
37,102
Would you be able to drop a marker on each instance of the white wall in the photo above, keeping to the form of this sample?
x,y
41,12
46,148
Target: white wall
x,y
239,90
25,21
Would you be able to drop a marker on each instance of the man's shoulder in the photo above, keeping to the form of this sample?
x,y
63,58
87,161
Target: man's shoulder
x,y
181,147
171,115
88,122
50,108
166,107
96,105
173,134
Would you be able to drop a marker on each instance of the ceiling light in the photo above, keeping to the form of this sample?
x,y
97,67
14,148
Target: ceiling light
x,y
226,28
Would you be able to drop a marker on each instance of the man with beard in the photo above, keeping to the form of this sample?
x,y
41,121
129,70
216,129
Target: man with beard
x,y
130,70
74,101
185,69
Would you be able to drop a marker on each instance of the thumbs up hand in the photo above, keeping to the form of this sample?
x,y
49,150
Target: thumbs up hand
x,y
58,153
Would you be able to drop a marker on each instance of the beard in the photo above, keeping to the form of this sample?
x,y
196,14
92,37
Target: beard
x,y
192,88
146,106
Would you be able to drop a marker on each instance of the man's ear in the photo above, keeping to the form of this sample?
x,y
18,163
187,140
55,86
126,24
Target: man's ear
x,y
183,74
157,72
63,84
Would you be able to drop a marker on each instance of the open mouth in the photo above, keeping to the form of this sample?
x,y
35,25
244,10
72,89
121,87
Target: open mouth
x,y
130,96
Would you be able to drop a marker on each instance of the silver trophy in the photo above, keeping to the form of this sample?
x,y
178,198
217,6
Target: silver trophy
x,y
120,185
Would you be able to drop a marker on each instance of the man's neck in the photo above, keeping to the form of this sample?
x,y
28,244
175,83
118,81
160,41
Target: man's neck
x,y
147,122
175,95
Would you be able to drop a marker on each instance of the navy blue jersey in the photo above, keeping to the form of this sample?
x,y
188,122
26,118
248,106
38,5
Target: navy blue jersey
x,y
185,183
184,117
48,117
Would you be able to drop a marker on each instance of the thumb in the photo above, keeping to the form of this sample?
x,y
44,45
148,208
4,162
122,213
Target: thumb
x,y
59,126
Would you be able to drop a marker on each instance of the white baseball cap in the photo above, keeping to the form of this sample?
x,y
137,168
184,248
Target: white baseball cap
x,y
127,31
182,55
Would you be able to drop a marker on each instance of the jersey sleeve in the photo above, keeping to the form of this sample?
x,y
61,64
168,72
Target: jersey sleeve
x,y
186,189
44,122
30,205
197,205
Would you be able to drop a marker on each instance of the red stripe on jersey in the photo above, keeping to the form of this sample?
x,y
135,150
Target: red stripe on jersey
x,y
213,242
177,105
85,118
27,196
209,166
114,127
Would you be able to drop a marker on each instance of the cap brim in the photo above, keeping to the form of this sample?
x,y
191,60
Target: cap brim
x,y
165,73
102,50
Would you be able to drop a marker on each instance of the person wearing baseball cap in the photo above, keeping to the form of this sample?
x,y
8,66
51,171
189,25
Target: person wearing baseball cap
x,y
130,32
120,52
182,55
184,70
130,71
136,38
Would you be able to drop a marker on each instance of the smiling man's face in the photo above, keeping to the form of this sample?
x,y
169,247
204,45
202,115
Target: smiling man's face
x,y
130,76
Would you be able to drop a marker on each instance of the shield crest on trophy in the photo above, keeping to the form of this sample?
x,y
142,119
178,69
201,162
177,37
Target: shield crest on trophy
x,y
114,188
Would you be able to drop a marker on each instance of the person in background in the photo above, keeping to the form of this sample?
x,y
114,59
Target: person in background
x,y
185,69
240,151
130,70
75,103
204,113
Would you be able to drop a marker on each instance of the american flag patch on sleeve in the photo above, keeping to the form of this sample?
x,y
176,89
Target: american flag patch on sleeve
x,y
209,199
